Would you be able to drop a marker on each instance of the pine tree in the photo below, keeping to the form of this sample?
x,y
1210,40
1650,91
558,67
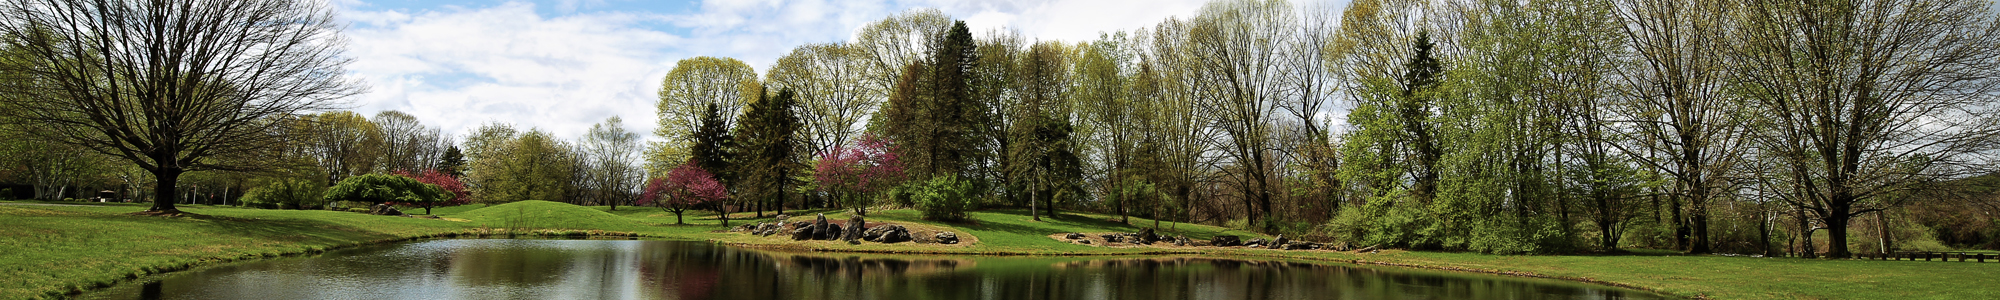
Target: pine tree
x,y
714,149
769,135
932,114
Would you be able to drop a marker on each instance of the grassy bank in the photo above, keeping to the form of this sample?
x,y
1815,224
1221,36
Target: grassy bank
x,y
55,250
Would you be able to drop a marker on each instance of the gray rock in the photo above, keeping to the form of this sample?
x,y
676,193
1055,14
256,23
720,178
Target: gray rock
x,y
780,219
947,238
384,210
819,225
854,227
1278,243
802,233
1113,238
831,232
1225,241
768,229
744,228
1180,241
887,234
1146,235
1085,242
1254,243
1073,236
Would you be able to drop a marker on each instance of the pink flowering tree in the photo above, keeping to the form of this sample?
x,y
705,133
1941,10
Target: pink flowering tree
x,y
854,175
459,195
686,187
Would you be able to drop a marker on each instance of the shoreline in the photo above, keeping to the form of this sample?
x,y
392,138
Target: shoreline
x,y
62,251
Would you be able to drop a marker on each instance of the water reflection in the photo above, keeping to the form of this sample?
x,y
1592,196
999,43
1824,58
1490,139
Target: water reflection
x,y
591,269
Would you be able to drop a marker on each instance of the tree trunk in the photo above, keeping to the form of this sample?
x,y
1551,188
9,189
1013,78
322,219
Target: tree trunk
x,y
1805,235
163,189
1882,228
1836,229
1680,222
1033,207
1764,229
1606,238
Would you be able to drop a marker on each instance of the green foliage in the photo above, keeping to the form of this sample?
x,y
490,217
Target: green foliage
x,y
769,135
508,165
938,125
379,188
286,193
944,198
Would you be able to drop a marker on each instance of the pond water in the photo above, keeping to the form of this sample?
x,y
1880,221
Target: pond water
x,y
622,269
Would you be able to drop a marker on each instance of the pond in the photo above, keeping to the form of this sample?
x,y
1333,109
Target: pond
x,y
631,269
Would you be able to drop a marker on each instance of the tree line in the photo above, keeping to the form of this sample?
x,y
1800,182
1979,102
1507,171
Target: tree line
x,y
1491,126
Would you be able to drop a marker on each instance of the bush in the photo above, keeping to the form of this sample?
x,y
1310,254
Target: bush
x,y
944,198
285,193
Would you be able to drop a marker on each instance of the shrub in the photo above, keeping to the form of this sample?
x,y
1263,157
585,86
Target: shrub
x,y
285,193
944,198
380,188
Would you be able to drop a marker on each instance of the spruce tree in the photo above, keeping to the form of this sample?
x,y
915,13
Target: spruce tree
x,y
769,135
713,150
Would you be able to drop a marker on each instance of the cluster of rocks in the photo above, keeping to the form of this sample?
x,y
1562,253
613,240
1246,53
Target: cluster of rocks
x,y
1280,243
1147,237
855,230
384,210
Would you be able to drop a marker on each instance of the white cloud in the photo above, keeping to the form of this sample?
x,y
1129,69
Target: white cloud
x,y
459,67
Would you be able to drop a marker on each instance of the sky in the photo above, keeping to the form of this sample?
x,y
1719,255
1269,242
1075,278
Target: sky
x,y
563,65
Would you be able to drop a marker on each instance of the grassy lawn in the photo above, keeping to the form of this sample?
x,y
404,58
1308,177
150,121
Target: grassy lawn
x,y
54,250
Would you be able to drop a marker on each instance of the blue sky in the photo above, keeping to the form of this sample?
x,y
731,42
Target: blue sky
x,y
562,65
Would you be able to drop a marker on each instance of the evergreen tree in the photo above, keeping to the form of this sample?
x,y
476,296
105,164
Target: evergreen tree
x,y
932,114
714,147
453,162
769,136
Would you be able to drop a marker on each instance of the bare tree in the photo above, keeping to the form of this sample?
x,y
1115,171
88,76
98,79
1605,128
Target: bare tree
x,y
173,86
407,145
611,154
1238,48
1680,121
1864,99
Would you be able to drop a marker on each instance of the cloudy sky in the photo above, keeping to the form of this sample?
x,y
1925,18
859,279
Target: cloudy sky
x,y
562,65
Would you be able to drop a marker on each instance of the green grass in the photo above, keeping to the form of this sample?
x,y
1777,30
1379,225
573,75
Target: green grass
x,y
537,214
49,251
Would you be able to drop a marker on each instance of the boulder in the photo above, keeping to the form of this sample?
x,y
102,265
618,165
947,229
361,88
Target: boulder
x,y
780,219
947,238
1225,241
1302,246
830,232
385,210
1255,243
819,226
1278,243
802,233
767,229
1113,238
886,234
1073,236
744,228
854,227
1180,241
1137,239
1146,235
1085,242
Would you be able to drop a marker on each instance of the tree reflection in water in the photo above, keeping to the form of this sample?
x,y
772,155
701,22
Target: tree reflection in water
x,y
595,269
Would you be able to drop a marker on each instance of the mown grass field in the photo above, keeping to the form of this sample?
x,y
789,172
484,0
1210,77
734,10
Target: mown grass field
x,y
50,251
